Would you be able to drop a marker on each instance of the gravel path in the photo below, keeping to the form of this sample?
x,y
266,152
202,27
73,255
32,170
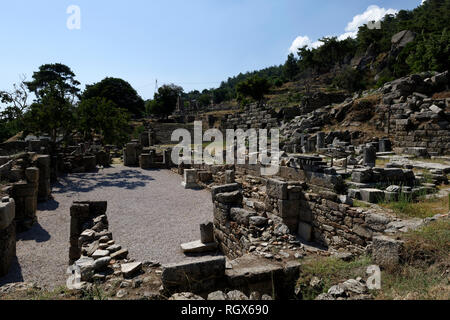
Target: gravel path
x,y
149,212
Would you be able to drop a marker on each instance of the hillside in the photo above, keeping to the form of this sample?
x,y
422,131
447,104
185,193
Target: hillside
x,y
412,41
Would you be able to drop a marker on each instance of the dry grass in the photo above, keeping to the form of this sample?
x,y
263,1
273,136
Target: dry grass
x,y
442,95
425,272
381,162
422,208
331,271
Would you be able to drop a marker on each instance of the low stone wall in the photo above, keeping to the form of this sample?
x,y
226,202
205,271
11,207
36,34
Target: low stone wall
x,y
93,255
90,216
201,275
254,117
7,234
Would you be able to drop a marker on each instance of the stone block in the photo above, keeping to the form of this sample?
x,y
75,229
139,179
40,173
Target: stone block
x,y
200,275
130,269
198,247
207,232
7,248
288,208
224,188
145,161
277,189
190,179
305,231
362,175
372,195
79,210
204,176
386,251
7,212
258,221
241,216
234,197
32,174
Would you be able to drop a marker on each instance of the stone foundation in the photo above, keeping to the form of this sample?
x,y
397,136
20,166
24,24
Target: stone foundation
x,y
7,235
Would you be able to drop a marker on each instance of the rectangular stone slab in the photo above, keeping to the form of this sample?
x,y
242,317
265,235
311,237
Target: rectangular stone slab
x,y
198,247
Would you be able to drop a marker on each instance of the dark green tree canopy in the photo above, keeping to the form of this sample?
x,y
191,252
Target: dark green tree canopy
x,y
165,100
103,117
290,68
255,88
52,114
57,75
118,91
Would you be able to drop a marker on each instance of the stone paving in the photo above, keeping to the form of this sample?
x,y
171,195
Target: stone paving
x,y
150,213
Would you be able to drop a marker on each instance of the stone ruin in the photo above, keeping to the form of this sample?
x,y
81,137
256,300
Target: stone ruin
x,y
7,234
93,254
27,170
27,178
137,154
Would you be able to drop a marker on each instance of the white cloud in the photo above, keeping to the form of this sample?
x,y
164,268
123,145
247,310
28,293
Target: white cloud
x,y
298,43
372,13
423,1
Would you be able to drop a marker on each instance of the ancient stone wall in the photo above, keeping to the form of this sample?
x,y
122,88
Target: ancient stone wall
x,y
7,234
276,209
411,115
93,255
256,117
86,215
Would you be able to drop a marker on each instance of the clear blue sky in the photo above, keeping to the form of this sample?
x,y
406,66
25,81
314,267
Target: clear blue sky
x,y
192,43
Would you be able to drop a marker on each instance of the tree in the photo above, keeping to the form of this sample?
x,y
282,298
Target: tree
x,y
52,114
290,68
165,100
103,117
118,91
58,76
432,53
254,88
204,100
16,105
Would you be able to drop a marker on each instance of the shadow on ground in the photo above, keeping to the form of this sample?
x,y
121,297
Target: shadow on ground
x,y
14,275
36,233
50,205
86,182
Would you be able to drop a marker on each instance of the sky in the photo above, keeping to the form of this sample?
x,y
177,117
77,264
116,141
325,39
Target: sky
x,y
195,44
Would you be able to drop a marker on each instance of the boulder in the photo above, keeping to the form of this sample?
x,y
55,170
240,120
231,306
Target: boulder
x,y
130,269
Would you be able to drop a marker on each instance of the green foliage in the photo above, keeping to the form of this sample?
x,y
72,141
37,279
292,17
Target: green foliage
x,y
332,52
58,76
278,82
255,88
11,118
52,114
103,117
290,68
118,91
204,100
431,53
165,100
330,271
